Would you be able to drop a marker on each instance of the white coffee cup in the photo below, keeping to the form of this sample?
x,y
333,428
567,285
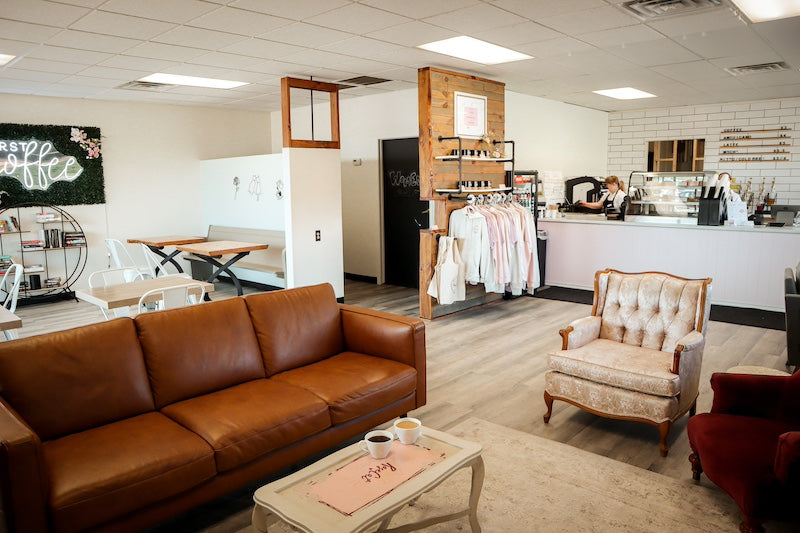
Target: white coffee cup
x,y
378,443
408,430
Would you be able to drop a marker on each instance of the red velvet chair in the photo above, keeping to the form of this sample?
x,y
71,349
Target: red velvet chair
x,y
749,444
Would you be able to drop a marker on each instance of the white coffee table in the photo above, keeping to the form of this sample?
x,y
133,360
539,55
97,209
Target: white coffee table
x,y
288,498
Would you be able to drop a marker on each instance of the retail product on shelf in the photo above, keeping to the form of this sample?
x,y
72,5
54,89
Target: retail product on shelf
x,y
465,183
51,245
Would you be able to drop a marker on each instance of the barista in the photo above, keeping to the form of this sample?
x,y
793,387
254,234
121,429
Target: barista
x,y
612,199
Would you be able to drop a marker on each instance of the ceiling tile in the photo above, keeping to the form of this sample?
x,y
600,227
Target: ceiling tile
x,y
617,36
121,25
71,91
291,10
651,53
475,19
32,75
168,52
137,63
746,59
539,9
306,35
41,12
317,58
594,62
92,41
363,47
43,65
412,33
198,38
580,22
517,34
20,86
179,11
357,18
220,59
723,43
781,35
82,3
22,31
86,81
262,48
785,77
359,66
402,73
113,73
68,55
692,70
420,9
239,21
554,47
16,48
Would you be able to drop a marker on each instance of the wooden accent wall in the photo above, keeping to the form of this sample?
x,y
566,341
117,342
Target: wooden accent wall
x,y
436,118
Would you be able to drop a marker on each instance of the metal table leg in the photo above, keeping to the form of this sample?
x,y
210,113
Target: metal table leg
x,y
166,258
223,268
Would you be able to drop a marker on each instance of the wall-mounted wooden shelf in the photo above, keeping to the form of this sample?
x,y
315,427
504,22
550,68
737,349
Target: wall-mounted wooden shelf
x,y
738,130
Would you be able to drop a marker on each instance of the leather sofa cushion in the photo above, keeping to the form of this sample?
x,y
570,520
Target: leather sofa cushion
x,y
296,327
738,455
72,380
353,384
620,365
649,310
111,470
199,349
250,420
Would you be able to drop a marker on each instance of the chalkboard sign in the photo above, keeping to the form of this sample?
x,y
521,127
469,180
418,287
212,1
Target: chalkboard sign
x,y
403,212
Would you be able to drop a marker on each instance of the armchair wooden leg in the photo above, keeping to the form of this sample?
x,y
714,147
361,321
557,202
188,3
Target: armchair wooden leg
x,y
548,401
663,431
693,408
697,468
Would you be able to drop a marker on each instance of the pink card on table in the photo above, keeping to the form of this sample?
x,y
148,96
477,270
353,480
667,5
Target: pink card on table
x,y
363,481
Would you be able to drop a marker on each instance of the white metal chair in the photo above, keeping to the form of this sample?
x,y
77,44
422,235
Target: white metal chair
x,y
11,292
114,276
172,297
121,258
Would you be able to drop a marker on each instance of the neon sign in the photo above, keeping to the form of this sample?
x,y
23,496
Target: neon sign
x,y
36,164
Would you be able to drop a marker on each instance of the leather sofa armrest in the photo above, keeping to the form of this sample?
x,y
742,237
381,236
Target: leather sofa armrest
x,y
387,335
24,506
748,395
580,332
787,457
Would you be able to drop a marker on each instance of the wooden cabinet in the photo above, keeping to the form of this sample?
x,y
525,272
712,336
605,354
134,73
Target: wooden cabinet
x,y
50,245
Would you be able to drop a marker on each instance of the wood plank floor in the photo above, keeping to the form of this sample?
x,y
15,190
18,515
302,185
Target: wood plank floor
x,y
490,362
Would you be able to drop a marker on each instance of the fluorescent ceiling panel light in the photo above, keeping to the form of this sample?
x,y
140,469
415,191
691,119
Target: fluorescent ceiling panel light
x,y
5,58
192,81
625,93
761,10
464,47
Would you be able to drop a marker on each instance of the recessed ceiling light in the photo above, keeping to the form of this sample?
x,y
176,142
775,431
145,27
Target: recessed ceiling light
x,y
192,81
625,93
5,58
761,10
474,50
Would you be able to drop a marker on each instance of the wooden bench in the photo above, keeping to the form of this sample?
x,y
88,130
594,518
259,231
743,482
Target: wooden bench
x,y
271,261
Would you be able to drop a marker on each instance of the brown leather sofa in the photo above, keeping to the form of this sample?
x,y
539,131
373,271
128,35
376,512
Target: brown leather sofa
x,y
119,425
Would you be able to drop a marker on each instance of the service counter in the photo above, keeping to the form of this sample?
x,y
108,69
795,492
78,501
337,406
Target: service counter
x,y
746,263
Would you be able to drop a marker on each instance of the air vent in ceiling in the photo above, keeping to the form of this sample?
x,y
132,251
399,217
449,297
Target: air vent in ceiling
x,y
146,86
756,69
363,80
648,9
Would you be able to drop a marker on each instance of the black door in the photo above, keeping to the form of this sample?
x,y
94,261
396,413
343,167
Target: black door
x,y
403,212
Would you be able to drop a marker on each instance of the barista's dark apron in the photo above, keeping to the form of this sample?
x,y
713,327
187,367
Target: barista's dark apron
x,y
608,204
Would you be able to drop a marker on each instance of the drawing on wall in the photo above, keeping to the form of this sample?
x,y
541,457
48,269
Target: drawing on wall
x,y
59,165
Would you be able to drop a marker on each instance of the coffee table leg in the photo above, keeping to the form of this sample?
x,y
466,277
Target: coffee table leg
x,y
478,473
259,519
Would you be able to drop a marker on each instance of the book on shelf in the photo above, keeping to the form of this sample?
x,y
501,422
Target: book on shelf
x,y
32,245
31,269
9,224
47,217
52,282
73,238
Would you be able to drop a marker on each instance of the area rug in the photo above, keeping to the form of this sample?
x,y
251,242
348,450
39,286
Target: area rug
x,y
537,485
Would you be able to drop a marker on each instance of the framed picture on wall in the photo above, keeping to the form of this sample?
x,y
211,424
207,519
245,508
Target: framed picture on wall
x,y
470,115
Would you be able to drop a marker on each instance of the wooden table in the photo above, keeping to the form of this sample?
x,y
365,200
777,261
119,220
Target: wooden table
x,y
9,320
126,294
210,250
288,498
157,244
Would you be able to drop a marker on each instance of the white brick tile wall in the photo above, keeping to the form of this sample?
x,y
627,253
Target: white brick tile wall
x,y
630,131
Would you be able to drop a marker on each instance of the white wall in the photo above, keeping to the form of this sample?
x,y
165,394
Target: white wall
x,y
552,135
549,135
151,160
630,131
313,203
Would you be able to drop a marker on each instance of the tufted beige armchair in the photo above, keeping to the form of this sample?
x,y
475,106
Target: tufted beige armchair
x,y
638,356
